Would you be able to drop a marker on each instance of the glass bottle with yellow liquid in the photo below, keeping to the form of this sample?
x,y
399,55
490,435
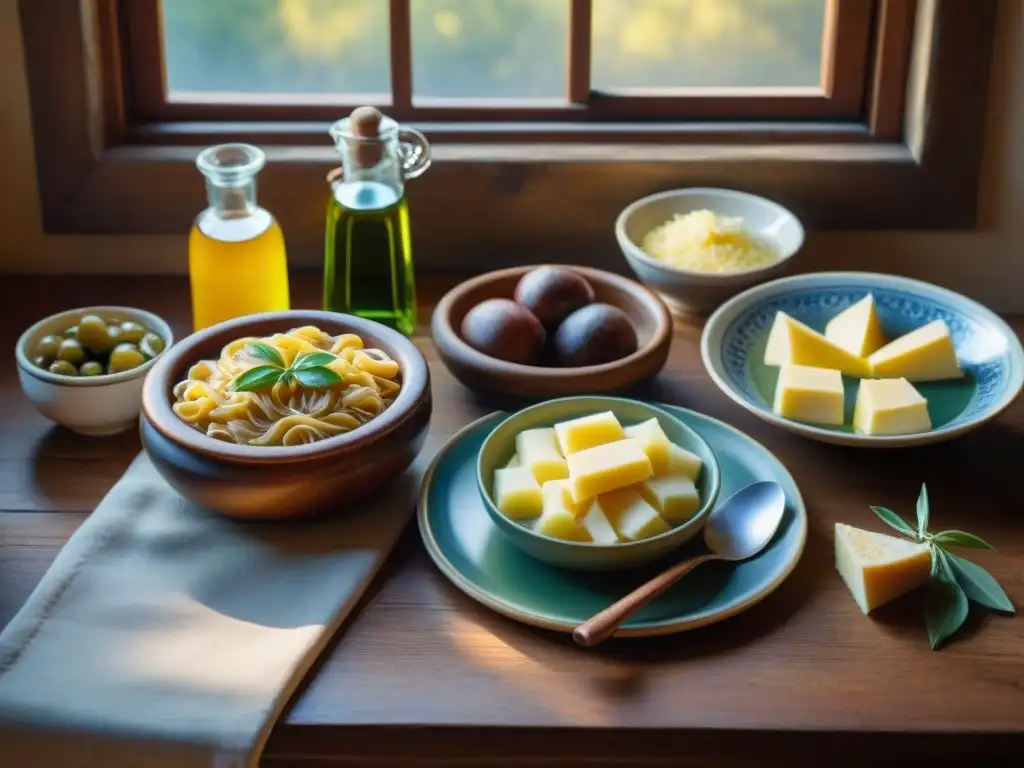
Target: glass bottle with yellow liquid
x,y
368,269
237,260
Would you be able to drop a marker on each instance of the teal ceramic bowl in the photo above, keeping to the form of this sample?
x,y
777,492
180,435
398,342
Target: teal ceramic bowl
x,y
499,446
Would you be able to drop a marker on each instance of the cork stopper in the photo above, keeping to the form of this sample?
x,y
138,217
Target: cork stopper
x,y
365,124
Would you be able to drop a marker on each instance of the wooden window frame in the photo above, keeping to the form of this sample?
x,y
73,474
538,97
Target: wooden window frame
x,y
538,188
839,94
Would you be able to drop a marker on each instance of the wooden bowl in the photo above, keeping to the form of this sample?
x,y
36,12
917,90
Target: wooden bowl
x,y
478,371
283,482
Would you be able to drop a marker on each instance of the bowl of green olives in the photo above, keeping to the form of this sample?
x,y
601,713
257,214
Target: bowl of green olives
x,y
84,368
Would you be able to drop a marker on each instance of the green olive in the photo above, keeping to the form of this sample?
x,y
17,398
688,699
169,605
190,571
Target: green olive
x,y
91,368
92,333
125,357
132,332
63,368
49,346
71,333
71,351
151,345
115,336
41,361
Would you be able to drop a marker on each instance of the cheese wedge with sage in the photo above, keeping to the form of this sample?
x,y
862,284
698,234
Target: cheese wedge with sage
x,y
878,568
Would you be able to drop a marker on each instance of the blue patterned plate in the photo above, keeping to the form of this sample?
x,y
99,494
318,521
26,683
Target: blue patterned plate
x,y
990,353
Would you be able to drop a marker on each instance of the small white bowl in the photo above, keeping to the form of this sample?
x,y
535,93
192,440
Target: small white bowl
x,y
691,291
90,405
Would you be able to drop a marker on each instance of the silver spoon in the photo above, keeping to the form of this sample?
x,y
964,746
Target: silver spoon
x,y
737,529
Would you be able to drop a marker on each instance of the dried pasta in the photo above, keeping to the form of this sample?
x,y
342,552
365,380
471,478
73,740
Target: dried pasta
x,y
287,413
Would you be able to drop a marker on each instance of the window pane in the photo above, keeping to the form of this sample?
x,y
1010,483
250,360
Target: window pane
x,y
277,46
490,49
707,43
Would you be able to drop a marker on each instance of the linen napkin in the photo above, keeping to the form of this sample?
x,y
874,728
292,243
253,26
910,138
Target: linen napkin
x,y
166,636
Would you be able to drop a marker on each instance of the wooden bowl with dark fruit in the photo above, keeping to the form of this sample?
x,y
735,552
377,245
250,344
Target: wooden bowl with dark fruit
x,y
551,330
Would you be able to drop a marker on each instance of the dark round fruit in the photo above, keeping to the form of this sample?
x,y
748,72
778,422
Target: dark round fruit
x,y
553,293
505,330
595,334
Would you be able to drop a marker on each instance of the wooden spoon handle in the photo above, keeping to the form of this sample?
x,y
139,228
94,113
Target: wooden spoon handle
x,y
601,626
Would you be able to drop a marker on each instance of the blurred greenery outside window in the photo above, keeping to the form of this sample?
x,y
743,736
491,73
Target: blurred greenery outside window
x,y
495,49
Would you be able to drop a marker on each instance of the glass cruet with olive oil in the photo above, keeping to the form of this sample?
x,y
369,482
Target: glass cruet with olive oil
x,y
237,260
368,268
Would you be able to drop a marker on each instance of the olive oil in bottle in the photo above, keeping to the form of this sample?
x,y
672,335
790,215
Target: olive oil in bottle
x,y
368,267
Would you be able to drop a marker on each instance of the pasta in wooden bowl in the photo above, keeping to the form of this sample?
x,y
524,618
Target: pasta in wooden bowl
x,y
286,410
285,414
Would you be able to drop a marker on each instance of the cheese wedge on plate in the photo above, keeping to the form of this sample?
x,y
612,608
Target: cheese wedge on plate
x,y
879,568
792,342
890,407
857,328
814,395
926,354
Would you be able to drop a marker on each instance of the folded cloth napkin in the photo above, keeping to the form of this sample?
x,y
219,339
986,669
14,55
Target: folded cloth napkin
x,y
166,636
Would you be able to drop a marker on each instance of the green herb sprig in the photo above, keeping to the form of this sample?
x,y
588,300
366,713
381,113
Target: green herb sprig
x,y
954,581
310,370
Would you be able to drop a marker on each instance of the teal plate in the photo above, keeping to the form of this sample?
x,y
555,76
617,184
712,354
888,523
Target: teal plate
x,y
481,561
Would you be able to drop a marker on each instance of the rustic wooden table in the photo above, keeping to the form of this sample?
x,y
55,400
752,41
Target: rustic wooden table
x,y
423,675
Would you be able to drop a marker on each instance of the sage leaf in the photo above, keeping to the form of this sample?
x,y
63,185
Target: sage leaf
x,y
961,539
313,360
922,512
255,379
317,378
978,584
892,519
263,351
945,605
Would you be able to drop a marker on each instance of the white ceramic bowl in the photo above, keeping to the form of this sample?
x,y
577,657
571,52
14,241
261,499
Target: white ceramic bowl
x,y
91,405
690,291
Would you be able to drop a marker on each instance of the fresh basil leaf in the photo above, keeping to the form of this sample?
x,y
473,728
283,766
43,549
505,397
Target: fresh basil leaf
x,y
978,584
313,360
263,351
288,377
892,519
260,377
961,539
922,511
945,605
317,378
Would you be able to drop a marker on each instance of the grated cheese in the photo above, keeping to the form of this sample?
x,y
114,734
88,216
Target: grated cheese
x,y
704,242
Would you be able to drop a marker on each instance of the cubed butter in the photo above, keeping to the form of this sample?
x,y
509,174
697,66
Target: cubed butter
x,y
559,523
790,342
674,496
654,442
857,328
538,450
607,468
517,493
890,407
587,432
513,462
926,354
630,514
879,568
598,526
682,462
809,394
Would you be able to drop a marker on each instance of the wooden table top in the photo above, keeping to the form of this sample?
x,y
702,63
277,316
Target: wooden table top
x,y
423,674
